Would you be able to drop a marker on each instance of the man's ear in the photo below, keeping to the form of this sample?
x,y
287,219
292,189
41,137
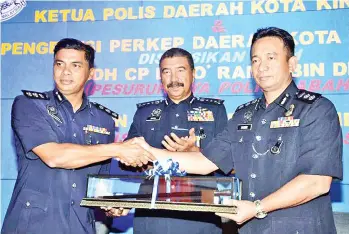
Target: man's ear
x,y
91,73
292,64
194,72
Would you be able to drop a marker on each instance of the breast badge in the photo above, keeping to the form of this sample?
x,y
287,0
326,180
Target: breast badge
x,y
285,122
155,115
200,115
52,111
100,130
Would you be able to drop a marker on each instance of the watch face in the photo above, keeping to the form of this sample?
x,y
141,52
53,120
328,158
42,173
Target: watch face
x,y
261,215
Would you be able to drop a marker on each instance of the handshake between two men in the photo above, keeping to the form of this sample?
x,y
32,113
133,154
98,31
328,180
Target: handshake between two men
x,y
138,152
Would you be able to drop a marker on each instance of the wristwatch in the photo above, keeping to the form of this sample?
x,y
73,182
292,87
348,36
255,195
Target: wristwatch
x,y
260,212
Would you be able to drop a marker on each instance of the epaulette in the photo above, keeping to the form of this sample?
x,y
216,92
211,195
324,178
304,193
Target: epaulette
x,y
35,95
307,96
106,110
211,100
139,105
243,106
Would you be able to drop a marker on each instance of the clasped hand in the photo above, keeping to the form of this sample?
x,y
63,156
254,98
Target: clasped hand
x,y
181,144
134,153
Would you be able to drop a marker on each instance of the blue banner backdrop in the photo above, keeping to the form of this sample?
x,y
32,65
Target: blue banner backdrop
x,y
130,37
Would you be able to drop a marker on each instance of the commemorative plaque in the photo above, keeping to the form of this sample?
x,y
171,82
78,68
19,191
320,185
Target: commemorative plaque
x,y
185,193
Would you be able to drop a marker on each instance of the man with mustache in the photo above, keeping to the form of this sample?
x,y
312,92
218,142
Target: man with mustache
x,y
181,122
286,146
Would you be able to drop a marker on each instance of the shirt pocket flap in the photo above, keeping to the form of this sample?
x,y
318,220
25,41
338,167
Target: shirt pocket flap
x,y
31,198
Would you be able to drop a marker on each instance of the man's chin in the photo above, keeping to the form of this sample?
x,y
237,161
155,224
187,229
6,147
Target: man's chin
x,y
175,95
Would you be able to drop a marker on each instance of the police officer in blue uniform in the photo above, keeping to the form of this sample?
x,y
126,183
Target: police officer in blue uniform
x,y
60,138
181,122
285,146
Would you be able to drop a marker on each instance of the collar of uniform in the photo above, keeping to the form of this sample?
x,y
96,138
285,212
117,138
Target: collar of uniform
x,y
59,97
284,99
85,103
189,100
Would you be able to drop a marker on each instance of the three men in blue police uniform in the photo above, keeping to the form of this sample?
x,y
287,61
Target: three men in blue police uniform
x,y
285,146
181,122
60,137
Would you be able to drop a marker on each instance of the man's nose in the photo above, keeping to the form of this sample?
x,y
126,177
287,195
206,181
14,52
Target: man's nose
x,y
263,66
174,76
66,70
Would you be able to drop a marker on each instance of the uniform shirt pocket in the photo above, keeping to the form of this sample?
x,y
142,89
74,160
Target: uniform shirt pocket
x,y
241,145
31,209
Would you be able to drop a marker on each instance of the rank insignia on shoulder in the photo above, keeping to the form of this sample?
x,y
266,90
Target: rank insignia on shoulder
x,y
35,95
211,100
155,115
307,96
139,105
91,128
106,110
247,104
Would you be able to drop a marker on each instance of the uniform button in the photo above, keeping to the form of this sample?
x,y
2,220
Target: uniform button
x,y
27,203
255,156
74,185
253,175
177,115
258,138
74,134
252,194
264,121
73,120
72,202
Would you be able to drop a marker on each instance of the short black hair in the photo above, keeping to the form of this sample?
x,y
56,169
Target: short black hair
x,y
178,52
285,36
71,43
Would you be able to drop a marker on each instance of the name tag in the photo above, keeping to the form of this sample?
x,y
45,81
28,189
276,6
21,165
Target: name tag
x,y
244,127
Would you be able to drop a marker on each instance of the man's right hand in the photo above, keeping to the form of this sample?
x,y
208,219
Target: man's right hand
x,y
132,154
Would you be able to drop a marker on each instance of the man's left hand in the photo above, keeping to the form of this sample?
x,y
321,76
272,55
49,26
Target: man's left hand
x,y
181,144
246,210
115,212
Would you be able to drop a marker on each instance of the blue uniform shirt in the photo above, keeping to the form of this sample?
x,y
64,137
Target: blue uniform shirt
x,y
299,133
46,200
153,120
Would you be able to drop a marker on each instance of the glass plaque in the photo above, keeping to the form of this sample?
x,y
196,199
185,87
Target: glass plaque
x,y
187,193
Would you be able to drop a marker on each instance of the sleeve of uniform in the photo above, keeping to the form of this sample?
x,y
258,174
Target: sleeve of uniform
x,y
221,119
219,150
105,169
30,126
135,129
322,142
